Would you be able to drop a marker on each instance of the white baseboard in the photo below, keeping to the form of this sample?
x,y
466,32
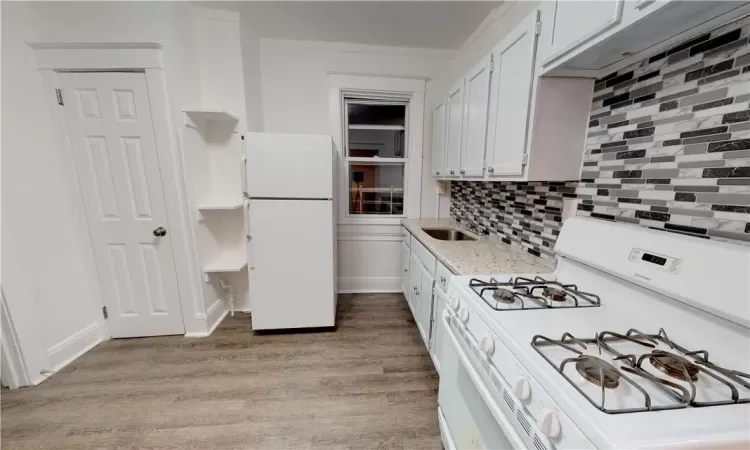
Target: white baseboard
x,y
73,346
370,285
214,315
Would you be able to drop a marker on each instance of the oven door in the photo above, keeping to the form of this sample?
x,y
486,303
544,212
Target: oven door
x,y
471,415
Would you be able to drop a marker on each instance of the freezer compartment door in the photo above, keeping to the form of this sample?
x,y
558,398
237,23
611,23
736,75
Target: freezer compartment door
x,y
289,166
292,278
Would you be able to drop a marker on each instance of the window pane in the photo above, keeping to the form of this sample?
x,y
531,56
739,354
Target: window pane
x,y
376,189
376,114
376,143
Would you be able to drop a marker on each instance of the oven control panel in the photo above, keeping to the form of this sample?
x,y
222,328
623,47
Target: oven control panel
x,y
655,260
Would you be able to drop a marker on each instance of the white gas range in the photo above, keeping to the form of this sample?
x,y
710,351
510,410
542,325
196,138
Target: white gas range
x,y
642,340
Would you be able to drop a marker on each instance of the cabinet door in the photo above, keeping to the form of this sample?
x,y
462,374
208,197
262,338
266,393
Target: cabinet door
x,y
438,140
424,298
436,336
511,86
476,100
405,262
414,284
454,129
576,23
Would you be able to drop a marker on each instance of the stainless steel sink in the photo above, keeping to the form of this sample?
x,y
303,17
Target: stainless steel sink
x,y
448,234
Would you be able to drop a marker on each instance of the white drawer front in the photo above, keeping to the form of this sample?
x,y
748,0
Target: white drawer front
x,y
424,255
405,236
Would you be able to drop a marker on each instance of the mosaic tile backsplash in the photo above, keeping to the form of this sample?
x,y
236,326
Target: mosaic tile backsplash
x,y
668,147
668,142
528,215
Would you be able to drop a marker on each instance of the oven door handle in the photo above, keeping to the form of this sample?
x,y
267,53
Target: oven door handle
x,y
497,413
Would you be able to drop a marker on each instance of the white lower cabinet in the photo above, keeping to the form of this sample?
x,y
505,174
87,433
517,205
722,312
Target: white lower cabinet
x,y
425,299
405,262
423,293
415,282
438,331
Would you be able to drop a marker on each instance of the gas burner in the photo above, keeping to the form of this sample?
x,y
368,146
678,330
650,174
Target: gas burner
x,y
554,293
598,371
504,295
674,366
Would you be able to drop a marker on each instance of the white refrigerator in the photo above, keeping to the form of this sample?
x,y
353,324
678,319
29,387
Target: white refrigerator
x,y
291,225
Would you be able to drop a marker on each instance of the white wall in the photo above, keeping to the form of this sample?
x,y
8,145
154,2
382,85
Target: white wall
x,y
44,278
296,100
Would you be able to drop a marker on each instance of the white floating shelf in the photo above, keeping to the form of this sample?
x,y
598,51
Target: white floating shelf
x,y
230,262
376,127
200,115
220,206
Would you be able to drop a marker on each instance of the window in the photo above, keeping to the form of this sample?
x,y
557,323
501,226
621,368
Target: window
x,y
376,155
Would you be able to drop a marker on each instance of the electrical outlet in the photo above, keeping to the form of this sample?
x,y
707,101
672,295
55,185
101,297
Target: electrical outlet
x,y
569,208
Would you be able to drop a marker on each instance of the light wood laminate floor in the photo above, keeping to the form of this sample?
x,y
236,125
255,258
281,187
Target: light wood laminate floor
x,y
369,384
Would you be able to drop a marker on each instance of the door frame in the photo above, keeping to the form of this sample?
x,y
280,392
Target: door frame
x,y
52,58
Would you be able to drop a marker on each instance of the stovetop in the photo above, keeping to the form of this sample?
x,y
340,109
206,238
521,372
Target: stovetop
x,y
624,308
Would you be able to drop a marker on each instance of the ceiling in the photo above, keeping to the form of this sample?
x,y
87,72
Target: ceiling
x,y
423,24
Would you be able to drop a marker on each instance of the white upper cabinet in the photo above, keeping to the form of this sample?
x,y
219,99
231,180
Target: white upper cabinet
x,y
476,99
438,140
511,87
454,129
595,38
577,22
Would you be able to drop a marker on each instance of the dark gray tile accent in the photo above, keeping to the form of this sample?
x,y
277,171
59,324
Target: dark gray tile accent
x,y
612,119
733,199
661,173
711,138
718,77
674,119
667,74
701,188
640,119
657,159
739,127
742,98
677,95
742,60
704,97
694,164
734,182
729,146
743,154
713,104
694,149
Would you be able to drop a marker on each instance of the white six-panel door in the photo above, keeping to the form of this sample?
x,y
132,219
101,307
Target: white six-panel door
x,y
111,133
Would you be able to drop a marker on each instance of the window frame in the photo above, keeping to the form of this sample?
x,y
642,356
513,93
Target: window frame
x,y
348,98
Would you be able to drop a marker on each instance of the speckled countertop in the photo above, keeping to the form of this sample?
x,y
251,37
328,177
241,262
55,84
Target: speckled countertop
x,y
487,255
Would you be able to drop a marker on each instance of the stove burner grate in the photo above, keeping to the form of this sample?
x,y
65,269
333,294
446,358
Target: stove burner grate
x,y
533,293
682,373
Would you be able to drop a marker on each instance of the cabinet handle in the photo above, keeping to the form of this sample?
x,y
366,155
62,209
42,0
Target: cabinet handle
x,y
437,173
463,171
453,172
490,169
442,280
406,270
416,293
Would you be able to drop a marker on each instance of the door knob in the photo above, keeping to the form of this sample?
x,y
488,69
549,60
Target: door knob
x,y
160,231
